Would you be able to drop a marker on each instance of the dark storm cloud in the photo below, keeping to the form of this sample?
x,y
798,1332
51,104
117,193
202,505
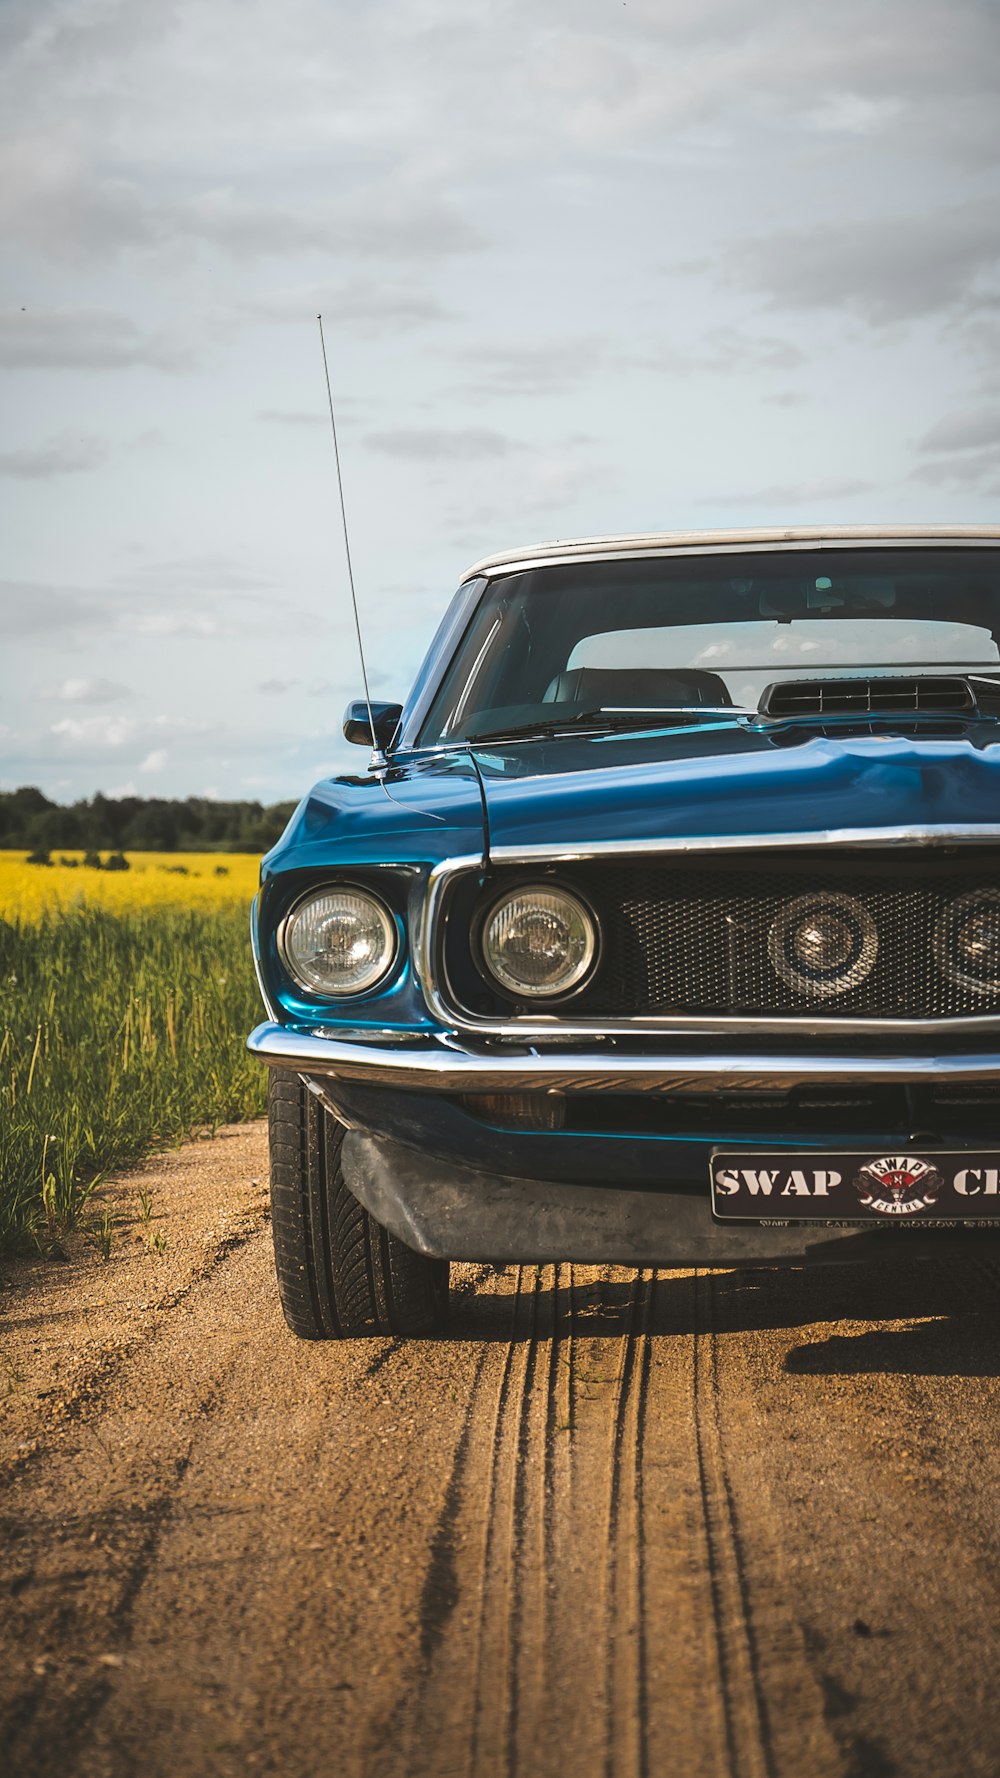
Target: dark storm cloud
x,y
891,268
70,453
431,444
83,339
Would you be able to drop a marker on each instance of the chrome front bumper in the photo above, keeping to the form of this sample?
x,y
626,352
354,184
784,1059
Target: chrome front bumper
x,y
439,1064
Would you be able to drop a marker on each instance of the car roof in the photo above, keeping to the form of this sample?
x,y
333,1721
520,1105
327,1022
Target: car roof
x,y
662,543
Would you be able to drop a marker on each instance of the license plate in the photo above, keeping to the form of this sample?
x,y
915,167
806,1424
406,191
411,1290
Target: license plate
x,y
857,1186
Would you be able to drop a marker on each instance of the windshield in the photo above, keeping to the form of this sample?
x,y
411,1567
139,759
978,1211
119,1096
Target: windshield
x,y
690,635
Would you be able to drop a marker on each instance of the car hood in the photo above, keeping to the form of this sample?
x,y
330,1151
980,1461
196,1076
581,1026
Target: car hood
x,y
728,779
420,811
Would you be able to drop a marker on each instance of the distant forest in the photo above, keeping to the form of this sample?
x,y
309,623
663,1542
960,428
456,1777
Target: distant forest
x,y
29,821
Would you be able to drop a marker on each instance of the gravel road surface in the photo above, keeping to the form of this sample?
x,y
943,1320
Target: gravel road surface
x,y
611,1526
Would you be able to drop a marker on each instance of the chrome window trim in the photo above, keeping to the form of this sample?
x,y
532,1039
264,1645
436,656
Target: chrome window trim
x,y
534,1028
651,550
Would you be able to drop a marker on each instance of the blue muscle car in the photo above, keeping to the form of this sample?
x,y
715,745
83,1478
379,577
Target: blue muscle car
x,y
662,929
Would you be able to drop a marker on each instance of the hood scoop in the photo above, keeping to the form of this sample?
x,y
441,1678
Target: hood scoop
x,y
885,695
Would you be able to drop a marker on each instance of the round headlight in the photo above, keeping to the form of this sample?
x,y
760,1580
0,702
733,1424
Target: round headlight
x,y
823,944
539,941
967,941
340,941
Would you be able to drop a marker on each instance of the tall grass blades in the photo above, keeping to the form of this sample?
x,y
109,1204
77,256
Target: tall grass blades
x,y
118,1033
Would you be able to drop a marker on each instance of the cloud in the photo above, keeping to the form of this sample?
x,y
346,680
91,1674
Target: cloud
x,y
723,351
30,609
61,199
198,624
970,439
793,493
203,575
889,268
155,761
68,453
100,732
84,339
968,429
976,471
363,303
85,691
205,598
289,417
438,444
536,367
274,687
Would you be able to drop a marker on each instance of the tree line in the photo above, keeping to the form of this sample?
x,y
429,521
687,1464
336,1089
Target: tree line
x,y
29,820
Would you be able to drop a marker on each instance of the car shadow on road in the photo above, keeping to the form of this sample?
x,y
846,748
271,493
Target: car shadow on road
x,y
963,1346
952,1303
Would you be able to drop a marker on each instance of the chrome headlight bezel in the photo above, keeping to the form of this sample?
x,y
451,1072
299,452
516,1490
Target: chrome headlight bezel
x,y
945,935
384,920
817,984
584,967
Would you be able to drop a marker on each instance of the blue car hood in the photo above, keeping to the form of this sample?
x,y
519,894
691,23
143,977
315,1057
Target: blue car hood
x,y
732,780
425,810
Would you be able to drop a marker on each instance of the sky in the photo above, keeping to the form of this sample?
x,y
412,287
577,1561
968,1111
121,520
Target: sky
x,y
585,266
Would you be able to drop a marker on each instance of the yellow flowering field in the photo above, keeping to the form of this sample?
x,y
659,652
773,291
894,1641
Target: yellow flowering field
x,y
153,879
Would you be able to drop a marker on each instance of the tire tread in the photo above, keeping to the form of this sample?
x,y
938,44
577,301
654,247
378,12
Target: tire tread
x,y
339,1271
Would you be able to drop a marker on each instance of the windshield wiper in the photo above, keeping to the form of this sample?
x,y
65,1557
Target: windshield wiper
x,y
606,720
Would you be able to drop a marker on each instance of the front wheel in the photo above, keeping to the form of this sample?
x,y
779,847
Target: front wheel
x,y
340,1273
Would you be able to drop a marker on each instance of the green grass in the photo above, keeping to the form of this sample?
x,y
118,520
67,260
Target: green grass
x,y
119,1033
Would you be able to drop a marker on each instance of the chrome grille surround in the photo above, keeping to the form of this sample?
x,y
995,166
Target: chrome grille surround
x,y
822,1019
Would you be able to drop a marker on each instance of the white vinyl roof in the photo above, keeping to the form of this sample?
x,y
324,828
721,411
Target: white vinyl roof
x,y
660,543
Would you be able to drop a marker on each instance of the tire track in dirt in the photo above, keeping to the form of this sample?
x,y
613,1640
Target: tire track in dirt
x,y
496,1703
610,1525
626,1748
748,1738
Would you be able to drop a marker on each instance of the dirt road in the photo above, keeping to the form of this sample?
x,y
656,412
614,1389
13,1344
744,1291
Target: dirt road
x,y
610,1526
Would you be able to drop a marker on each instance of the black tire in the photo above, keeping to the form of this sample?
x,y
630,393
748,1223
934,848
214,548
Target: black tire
x,y
340,1273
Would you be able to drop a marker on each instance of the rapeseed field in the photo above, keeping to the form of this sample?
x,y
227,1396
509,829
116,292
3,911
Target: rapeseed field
x,y
152,880
125,999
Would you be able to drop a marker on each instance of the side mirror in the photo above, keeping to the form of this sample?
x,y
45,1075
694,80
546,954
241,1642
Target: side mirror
x,y
356,726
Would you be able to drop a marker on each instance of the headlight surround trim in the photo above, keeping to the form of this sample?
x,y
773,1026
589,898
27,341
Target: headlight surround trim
x,y
791,923
950,929
384,921
574,979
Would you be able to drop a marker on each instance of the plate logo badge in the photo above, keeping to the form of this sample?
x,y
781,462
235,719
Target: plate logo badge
x,y
898,1185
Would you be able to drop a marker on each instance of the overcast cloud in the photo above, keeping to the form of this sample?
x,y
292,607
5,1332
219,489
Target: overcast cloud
x,y
583,267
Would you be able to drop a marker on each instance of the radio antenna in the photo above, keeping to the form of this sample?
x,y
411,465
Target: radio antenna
x,y
378,761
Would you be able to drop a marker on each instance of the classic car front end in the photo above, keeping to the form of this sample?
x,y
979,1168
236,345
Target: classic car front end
x,y
669,934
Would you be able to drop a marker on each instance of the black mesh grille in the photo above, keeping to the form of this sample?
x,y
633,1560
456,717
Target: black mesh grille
x,y
720,937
